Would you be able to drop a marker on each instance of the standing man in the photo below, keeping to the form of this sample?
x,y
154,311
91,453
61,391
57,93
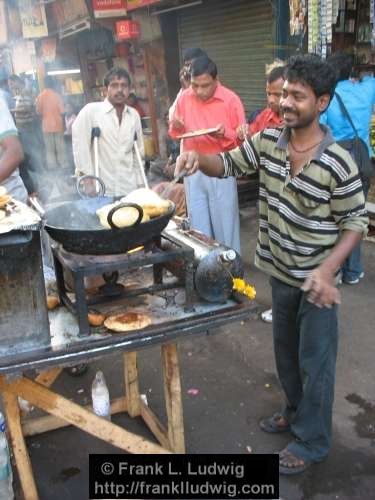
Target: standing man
x,y
270,116
32,167
120,125
184,75
50,106
11,155
212,203
312,214
358,97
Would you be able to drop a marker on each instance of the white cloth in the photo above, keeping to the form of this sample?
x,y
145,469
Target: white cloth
x,y
118,165
213,208
13,183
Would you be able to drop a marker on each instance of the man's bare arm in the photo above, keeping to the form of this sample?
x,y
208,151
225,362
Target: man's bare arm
x,y
12,156
211,165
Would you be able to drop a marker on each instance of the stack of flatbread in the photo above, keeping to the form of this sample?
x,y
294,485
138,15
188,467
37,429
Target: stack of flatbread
x,y
148,200
152,204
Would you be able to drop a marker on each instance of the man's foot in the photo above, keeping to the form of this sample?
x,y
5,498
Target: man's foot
x,y
267,316
289,464
275,424
353,281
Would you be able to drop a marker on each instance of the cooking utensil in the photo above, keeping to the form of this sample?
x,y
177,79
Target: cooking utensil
x,y
76,226
164,194
140,162
95,134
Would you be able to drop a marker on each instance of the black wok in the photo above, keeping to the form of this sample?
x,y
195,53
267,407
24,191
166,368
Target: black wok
x,y
76,226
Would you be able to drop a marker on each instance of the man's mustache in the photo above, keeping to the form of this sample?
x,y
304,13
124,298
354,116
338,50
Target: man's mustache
x,y
288,110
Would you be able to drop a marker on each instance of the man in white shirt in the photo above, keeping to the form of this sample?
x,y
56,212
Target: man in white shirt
x,y
119,125
11,155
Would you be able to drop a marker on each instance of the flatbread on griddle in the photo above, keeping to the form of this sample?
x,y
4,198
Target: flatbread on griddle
x,y
126,322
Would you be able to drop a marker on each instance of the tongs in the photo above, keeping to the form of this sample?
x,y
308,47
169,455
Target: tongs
x,y
164,194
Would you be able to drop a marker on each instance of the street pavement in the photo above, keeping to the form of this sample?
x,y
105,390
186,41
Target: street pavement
x,y
233,375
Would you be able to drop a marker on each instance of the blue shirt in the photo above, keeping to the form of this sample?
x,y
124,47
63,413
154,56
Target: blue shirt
x,y
359,99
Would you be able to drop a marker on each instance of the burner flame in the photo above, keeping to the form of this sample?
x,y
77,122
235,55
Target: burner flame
x,y
136,249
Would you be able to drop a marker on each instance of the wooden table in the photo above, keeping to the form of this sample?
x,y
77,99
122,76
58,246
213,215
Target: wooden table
x,y
63,412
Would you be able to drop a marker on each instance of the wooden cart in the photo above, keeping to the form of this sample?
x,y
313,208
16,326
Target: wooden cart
x,y
62,412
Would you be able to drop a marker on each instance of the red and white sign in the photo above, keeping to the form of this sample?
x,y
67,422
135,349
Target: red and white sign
x,y
109,8
137,4
127,30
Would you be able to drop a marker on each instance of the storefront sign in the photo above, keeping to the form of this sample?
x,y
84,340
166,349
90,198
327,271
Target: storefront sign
x,y
126,30
109,8
33,19
137,4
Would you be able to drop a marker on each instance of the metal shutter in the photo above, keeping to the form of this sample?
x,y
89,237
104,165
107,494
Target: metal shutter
x,y
238,36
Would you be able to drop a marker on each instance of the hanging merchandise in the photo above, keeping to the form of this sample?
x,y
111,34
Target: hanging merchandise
x,y
321,15
313,25
297,24
372,21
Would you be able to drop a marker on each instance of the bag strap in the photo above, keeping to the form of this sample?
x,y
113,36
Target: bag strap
x,y
345,112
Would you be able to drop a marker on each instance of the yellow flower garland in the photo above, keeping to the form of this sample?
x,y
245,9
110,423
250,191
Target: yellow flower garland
x,y
240,286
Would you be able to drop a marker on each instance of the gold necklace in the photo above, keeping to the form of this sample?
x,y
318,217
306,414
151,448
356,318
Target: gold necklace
x,y
304,150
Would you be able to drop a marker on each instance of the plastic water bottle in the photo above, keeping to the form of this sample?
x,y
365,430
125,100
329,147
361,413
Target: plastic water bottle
x,y
101,404
6,476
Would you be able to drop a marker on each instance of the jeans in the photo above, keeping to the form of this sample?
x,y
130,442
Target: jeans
x,y
352,267
305,344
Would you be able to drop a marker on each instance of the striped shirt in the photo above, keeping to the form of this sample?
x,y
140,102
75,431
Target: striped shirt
x,y
301,217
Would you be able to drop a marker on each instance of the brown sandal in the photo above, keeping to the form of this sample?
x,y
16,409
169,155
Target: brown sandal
x,y
289,464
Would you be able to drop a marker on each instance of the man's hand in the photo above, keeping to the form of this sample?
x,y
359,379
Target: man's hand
x,y
219,134
321,288
242,131
188,161
178,123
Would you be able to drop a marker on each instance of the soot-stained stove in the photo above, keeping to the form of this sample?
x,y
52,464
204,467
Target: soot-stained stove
x,y
156,254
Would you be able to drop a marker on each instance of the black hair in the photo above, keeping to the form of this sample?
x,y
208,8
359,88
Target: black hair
x,y
116,72
203,65
309,69
192,53
276,74
342,64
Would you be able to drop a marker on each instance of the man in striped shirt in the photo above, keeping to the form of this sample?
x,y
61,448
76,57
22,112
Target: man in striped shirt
x,y
312,214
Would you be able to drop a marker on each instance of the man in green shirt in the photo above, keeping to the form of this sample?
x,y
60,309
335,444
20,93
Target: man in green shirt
x,y
311,215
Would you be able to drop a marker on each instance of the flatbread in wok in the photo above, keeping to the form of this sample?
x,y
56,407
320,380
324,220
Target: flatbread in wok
x,y
127,321
123,217
152,204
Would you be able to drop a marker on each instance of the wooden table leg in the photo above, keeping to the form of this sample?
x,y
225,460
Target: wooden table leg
x,y
21,454
48,377
173,398
57,405
132,384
